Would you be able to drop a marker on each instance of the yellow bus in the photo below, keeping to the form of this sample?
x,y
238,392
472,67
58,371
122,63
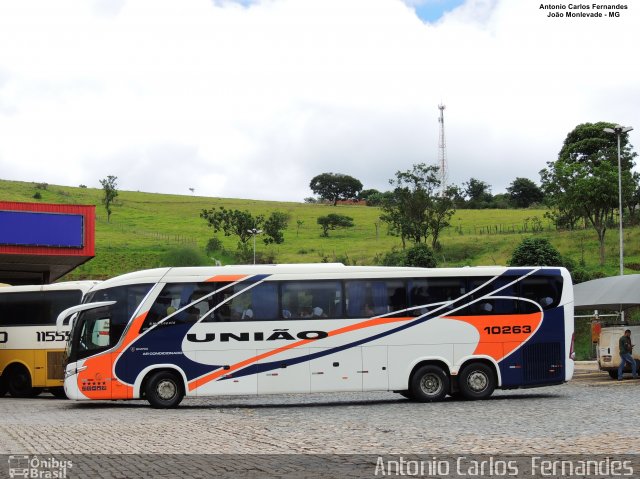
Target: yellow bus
x,y
31,350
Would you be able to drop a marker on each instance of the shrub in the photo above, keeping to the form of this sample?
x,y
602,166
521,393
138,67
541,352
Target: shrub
x,y
394,257
535,252
420,256
213,245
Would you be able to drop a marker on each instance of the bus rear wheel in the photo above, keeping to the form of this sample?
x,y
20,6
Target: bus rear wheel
x,y
477,381
164,390
429,383
19,382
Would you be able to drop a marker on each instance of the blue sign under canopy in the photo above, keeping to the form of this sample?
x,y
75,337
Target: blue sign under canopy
x,y
21,228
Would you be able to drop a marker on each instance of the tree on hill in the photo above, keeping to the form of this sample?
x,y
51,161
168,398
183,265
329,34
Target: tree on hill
x,y
414,210
523,193
110,188
478,194
274,226
335,186
334,221
367,194
583,181
242,223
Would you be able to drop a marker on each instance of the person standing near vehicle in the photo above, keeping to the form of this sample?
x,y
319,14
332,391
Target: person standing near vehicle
x,y
625,355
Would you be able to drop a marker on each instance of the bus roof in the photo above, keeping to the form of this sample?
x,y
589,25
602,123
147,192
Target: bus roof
x,y
291,271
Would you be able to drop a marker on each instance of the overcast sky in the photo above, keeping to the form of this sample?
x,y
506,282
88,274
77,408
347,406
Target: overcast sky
x,y
252,98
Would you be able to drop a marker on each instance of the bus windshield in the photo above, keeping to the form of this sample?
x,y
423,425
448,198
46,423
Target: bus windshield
x,y
99,329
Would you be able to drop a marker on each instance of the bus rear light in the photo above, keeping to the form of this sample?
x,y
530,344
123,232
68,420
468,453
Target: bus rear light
x,y
572,353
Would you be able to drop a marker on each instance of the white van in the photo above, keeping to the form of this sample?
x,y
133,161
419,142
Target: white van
x,y
608,351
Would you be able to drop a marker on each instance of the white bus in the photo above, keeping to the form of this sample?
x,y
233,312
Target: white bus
x,y
31,349
167,333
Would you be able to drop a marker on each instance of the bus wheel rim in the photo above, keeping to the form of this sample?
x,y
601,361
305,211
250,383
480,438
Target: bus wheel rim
x,y
166,389
431,384
477,381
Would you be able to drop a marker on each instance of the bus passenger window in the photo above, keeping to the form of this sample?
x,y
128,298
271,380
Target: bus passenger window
x,y
311,299
180,302
368,298
244,302
544,290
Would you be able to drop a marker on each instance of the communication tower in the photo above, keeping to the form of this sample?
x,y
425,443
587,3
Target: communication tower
x,y
442,152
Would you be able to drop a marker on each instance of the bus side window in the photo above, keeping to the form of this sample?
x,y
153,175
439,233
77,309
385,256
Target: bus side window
x,y
311,299
245,302
491,297
173,299
544,290
367,298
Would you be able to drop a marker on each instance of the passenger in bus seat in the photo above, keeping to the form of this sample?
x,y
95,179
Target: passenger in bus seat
x,y
318,312
546,301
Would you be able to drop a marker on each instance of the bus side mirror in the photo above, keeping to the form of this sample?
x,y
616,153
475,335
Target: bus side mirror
x,y
76,309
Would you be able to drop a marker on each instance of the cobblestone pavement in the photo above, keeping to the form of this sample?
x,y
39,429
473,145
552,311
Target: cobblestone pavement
x,y
583,416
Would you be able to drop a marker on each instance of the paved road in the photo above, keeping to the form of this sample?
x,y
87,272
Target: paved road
x,y
583,416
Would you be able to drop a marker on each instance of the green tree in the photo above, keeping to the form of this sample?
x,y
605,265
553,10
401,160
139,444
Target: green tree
x,y
583,181
478,194
110,188
414,210
440,213
274,226
334,221
535,252
523,193
335,186
367,194
241,223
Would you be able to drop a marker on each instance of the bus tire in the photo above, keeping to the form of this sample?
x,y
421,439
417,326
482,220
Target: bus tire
x,y
477,381
19,382
58,392
429,383
164,390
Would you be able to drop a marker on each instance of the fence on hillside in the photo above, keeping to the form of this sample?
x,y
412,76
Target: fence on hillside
x,y
164,237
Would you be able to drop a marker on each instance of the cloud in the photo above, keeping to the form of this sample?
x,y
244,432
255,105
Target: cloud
x,y
252,99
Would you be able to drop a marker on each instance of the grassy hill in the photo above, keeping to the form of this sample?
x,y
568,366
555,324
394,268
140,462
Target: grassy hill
x,y
145,227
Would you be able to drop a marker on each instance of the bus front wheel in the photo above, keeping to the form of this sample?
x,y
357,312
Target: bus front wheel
x,y
164,390
429,383
477,381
